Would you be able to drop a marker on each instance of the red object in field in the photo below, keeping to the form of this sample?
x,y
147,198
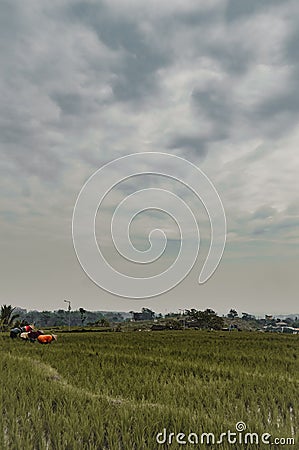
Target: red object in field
x,y
27,328
46,338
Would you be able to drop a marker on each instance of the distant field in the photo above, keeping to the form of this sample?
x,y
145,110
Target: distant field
x,y
118,390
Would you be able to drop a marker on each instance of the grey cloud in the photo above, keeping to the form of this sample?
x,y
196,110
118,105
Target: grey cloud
x,y
293,209
265,223
76,104
9,216
238,9
57,59
291,50
135,76
235,58
257,154
264,212
69,103
48,166
276,228
197,18
41,109
10,21
288,223
283,107
24,145
234,55
195,145
214,103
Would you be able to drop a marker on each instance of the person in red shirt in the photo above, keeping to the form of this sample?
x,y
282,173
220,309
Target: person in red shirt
x,y
27,328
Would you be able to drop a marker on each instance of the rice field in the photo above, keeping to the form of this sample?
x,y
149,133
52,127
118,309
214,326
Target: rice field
x,y
139,390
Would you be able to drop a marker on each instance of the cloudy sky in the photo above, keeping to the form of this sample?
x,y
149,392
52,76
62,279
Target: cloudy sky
x,y
215,82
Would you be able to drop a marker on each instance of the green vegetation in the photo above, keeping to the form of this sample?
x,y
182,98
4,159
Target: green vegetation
x,y
118,390
61,317
7,317
205,319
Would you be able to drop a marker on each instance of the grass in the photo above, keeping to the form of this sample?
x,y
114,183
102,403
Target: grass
x,y
118,390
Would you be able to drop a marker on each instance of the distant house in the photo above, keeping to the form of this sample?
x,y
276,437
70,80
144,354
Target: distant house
x,y
290,330
281,329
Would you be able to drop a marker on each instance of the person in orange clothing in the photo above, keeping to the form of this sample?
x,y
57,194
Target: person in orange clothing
x,y
46,338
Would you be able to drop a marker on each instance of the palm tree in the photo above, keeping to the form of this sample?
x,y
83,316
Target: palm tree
x,y
7,317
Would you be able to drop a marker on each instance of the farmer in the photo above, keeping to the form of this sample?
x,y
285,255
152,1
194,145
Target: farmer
x,y
14,332
33,335
46,338
27,328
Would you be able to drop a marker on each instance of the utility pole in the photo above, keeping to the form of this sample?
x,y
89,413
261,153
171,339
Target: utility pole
x,y
69,310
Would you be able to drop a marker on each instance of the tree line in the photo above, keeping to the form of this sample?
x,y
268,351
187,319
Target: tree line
x,y
12,316
207,319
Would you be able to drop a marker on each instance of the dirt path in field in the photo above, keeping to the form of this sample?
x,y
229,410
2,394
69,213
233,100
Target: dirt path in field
x,y
51,374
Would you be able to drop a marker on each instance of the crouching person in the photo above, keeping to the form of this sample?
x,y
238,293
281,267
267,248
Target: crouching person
x,y
27,328
33,335
46,338
14,332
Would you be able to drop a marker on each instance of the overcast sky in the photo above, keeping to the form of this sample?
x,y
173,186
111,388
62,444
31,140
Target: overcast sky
x,y
215,82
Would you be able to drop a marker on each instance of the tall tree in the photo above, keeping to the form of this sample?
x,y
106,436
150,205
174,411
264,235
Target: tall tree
x,y
205,319
232,314
82,315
